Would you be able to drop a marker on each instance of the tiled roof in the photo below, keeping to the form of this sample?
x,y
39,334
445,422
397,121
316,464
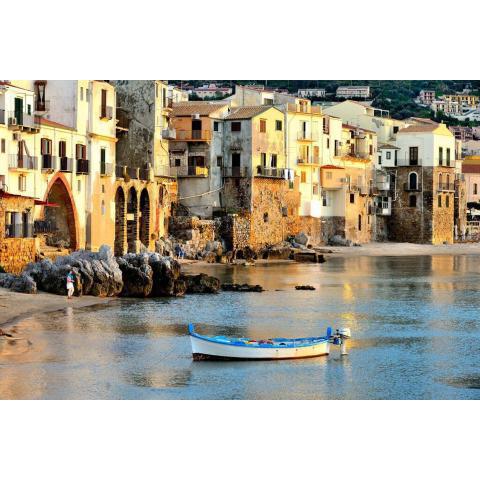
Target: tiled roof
x,y
247,112
331,167
387,146
423,120
185,109
419,128
51,123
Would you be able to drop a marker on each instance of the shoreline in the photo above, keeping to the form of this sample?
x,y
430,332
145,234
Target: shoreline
x,y
16,306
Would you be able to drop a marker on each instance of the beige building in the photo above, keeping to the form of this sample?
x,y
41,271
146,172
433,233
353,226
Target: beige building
x,y
353,91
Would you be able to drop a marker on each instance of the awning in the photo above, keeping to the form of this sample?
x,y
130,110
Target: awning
x,y
46,204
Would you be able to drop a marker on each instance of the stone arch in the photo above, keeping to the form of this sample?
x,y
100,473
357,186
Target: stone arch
x,y
413,180
132,219
120,222
145,217
64,215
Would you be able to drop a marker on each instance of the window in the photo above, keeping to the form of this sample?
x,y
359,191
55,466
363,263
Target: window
x,y
22,182
79,185
219,161
103,166
389,155
336,148
413,155
87,94
328,143
447,201
29,109
46,146
475,189
413,181
104,104
2,148
273,160
103,188
359,223
396,157
263,126
215,126
303,177
263,158
278,125
395,130
265,217
448,157
284,211
439,201
156,90
236,126
412,201
352,198
268,101
380,159
370,149
164,97
440,181
80,152
81,94
62,148
440,155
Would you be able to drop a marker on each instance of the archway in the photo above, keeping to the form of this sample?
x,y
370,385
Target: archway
x,y
63,216
132,220
144,217
120,222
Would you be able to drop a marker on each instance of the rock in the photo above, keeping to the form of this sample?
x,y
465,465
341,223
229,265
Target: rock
x,y
308,256
137,275
304,287
24,283
280,251
6,280
210,257
201,283
339,241
302,238
237,287
166,277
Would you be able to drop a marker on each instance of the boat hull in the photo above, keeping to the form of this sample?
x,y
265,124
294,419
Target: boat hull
x,y
204,349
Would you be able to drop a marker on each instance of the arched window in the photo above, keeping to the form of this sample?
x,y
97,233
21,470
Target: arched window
x,y
413,181
440,186
447,182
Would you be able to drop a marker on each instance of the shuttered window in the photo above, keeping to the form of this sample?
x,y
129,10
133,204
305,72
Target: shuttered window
x,y
62,148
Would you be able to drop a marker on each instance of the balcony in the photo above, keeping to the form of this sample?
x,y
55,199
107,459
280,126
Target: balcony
x,y
119,171
236,172
270,172
106,169
307,137
162,171
296,108
383,185
22,163
132,172
194,135
383,208
82,166
66,164
106,112
22,121
411,188
169,134
49,163
190,171
168,104
308,160
144,174
446,187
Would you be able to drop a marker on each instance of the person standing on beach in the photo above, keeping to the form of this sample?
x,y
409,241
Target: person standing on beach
x,y
70,287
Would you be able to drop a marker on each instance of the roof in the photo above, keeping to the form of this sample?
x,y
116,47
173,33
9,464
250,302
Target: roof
x,y
423,120
332,167
419,128
241,113
387,146
51,123
185,109
346,125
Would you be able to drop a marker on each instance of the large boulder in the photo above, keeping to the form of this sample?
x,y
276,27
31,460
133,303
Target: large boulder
x,y
280,251
339,241
302,239
137,275
24,283
201,283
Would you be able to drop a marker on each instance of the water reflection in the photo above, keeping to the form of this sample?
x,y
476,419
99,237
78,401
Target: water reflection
x,y
414,321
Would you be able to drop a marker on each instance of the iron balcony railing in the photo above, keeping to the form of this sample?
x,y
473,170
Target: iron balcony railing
x,y
446,187
302,160
22,119
106,169
236,172
82,166
24,162
190,171
19,230
194,135
66,164
168,103
49,162
270,172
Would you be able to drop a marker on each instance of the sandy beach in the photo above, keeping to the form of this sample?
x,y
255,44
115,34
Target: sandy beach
x,y
14,306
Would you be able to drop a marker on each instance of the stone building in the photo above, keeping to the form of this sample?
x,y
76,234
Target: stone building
x,y
423,185
17,244
145,184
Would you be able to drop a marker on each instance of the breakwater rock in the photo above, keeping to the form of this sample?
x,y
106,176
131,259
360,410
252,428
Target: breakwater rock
x,y
241,287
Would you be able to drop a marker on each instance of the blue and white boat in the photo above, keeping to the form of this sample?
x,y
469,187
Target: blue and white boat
x,y
220,347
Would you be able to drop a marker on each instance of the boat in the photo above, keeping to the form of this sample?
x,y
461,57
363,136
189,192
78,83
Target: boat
x,y
220,347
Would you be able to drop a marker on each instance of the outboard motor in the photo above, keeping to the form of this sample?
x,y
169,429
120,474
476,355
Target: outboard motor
x,y
340,338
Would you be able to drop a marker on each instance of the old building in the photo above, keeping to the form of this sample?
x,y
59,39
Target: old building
x,y
426,97
211,91
353,91
258,186
145,184
196,155
423,185
311,92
